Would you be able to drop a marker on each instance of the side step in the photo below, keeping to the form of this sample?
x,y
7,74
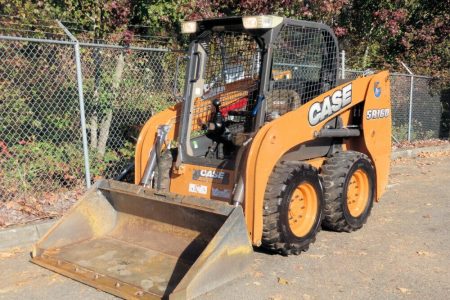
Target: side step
x,y
338,132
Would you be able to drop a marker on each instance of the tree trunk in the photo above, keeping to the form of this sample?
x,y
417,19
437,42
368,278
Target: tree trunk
x,y
106,120
93,126
104,132
366,51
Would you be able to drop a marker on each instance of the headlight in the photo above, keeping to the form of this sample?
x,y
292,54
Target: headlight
x,y
189,27
261,22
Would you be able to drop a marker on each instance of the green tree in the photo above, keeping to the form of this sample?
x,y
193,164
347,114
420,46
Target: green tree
x,y
383,33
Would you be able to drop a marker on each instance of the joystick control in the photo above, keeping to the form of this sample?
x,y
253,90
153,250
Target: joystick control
x,y
217,123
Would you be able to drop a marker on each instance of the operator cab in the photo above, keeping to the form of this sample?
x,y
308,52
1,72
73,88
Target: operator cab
x,y
244,72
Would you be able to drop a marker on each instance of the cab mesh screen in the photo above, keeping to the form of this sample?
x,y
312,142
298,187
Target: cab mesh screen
x,y
304,66
231,74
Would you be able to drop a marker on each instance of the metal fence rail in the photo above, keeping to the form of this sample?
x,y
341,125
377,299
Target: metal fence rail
x,y
53,91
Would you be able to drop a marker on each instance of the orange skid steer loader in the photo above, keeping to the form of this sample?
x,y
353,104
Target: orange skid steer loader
x,y
266,147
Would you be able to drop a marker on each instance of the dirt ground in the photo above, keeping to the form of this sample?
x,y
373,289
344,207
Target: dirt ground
x,y
419,144
402,252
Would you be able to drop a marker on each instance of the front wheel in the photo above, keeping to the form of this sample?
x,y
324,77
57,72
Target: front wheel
x,y
293,205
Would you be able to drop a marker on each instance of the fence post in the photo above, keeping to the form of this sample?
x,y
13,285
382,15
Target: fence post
x,y
411,91
81,100
410,107
343,64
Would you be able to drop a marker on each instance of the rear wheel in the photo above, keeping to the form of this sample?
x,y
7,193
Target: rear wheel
x,y
292,208
349,182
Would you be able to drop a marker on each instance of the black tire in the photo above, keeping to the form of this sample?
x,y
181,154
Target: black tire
x,y
277,234
336,173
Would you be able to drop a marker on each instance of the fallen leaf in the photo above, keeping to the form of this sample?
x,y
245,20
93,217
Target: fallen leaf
x,y
10,253
258,274
403,290
298,268
307,297
256,283
319,256
283,281
276,297
423,253
6,254
12,205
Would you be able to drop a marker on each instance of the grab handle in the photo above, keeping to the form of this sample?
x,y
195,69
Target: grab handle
x,y
197,66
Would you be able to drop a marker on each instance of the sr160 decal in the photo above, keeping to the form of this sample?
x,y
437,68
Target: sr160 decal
x,y
378,113
330,105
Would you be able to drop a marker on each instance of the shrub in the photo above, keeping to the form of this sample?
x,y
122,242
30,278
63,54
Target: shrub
x,y
37,167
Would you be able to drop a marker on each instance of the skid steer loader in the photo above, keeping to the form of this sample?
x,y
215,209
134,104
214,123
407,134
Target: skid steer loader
x,y
266,147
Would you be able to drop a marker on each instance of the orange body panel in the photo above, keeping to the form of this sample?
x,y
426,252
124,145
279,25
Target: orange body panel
x,y
203,182
279,136
377,129
276,138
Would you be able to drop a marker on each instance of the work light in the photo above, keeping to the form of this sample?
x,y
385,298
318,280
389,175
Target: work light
x,y
189,27
261,22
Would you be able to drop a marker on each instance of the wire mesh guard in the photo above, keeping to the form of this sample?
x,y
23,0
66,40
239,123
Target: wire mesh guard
x,y
231,75
304,66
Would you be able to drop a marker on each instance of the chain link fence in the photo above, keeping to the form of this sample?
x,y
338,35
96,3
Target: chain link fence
x,y
122,88
41,136
41,144
416,106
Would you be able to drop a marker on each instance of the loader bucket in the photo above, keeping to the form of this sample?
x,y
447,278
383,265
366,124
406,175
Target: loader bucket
x,y
137,243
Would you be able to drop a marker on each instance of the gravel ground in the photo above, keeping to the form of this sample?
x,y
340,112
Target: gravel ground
x,y
402,252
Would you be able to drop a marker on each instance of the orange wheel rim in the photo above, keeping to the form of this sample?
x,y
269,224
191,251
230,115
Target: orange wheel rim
x,y
303,209
358,193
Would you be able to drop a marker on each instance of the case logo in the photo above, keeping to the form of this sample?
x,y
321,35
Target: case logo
x,y
330,105
211,175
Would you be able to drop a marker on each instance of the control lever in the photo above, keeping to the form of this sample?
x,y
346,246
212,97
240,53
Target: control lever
x,y
217,123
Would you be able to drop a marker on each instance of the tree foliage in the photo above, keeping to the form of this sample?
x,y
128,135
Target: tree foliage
x,y
376,34
383,33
